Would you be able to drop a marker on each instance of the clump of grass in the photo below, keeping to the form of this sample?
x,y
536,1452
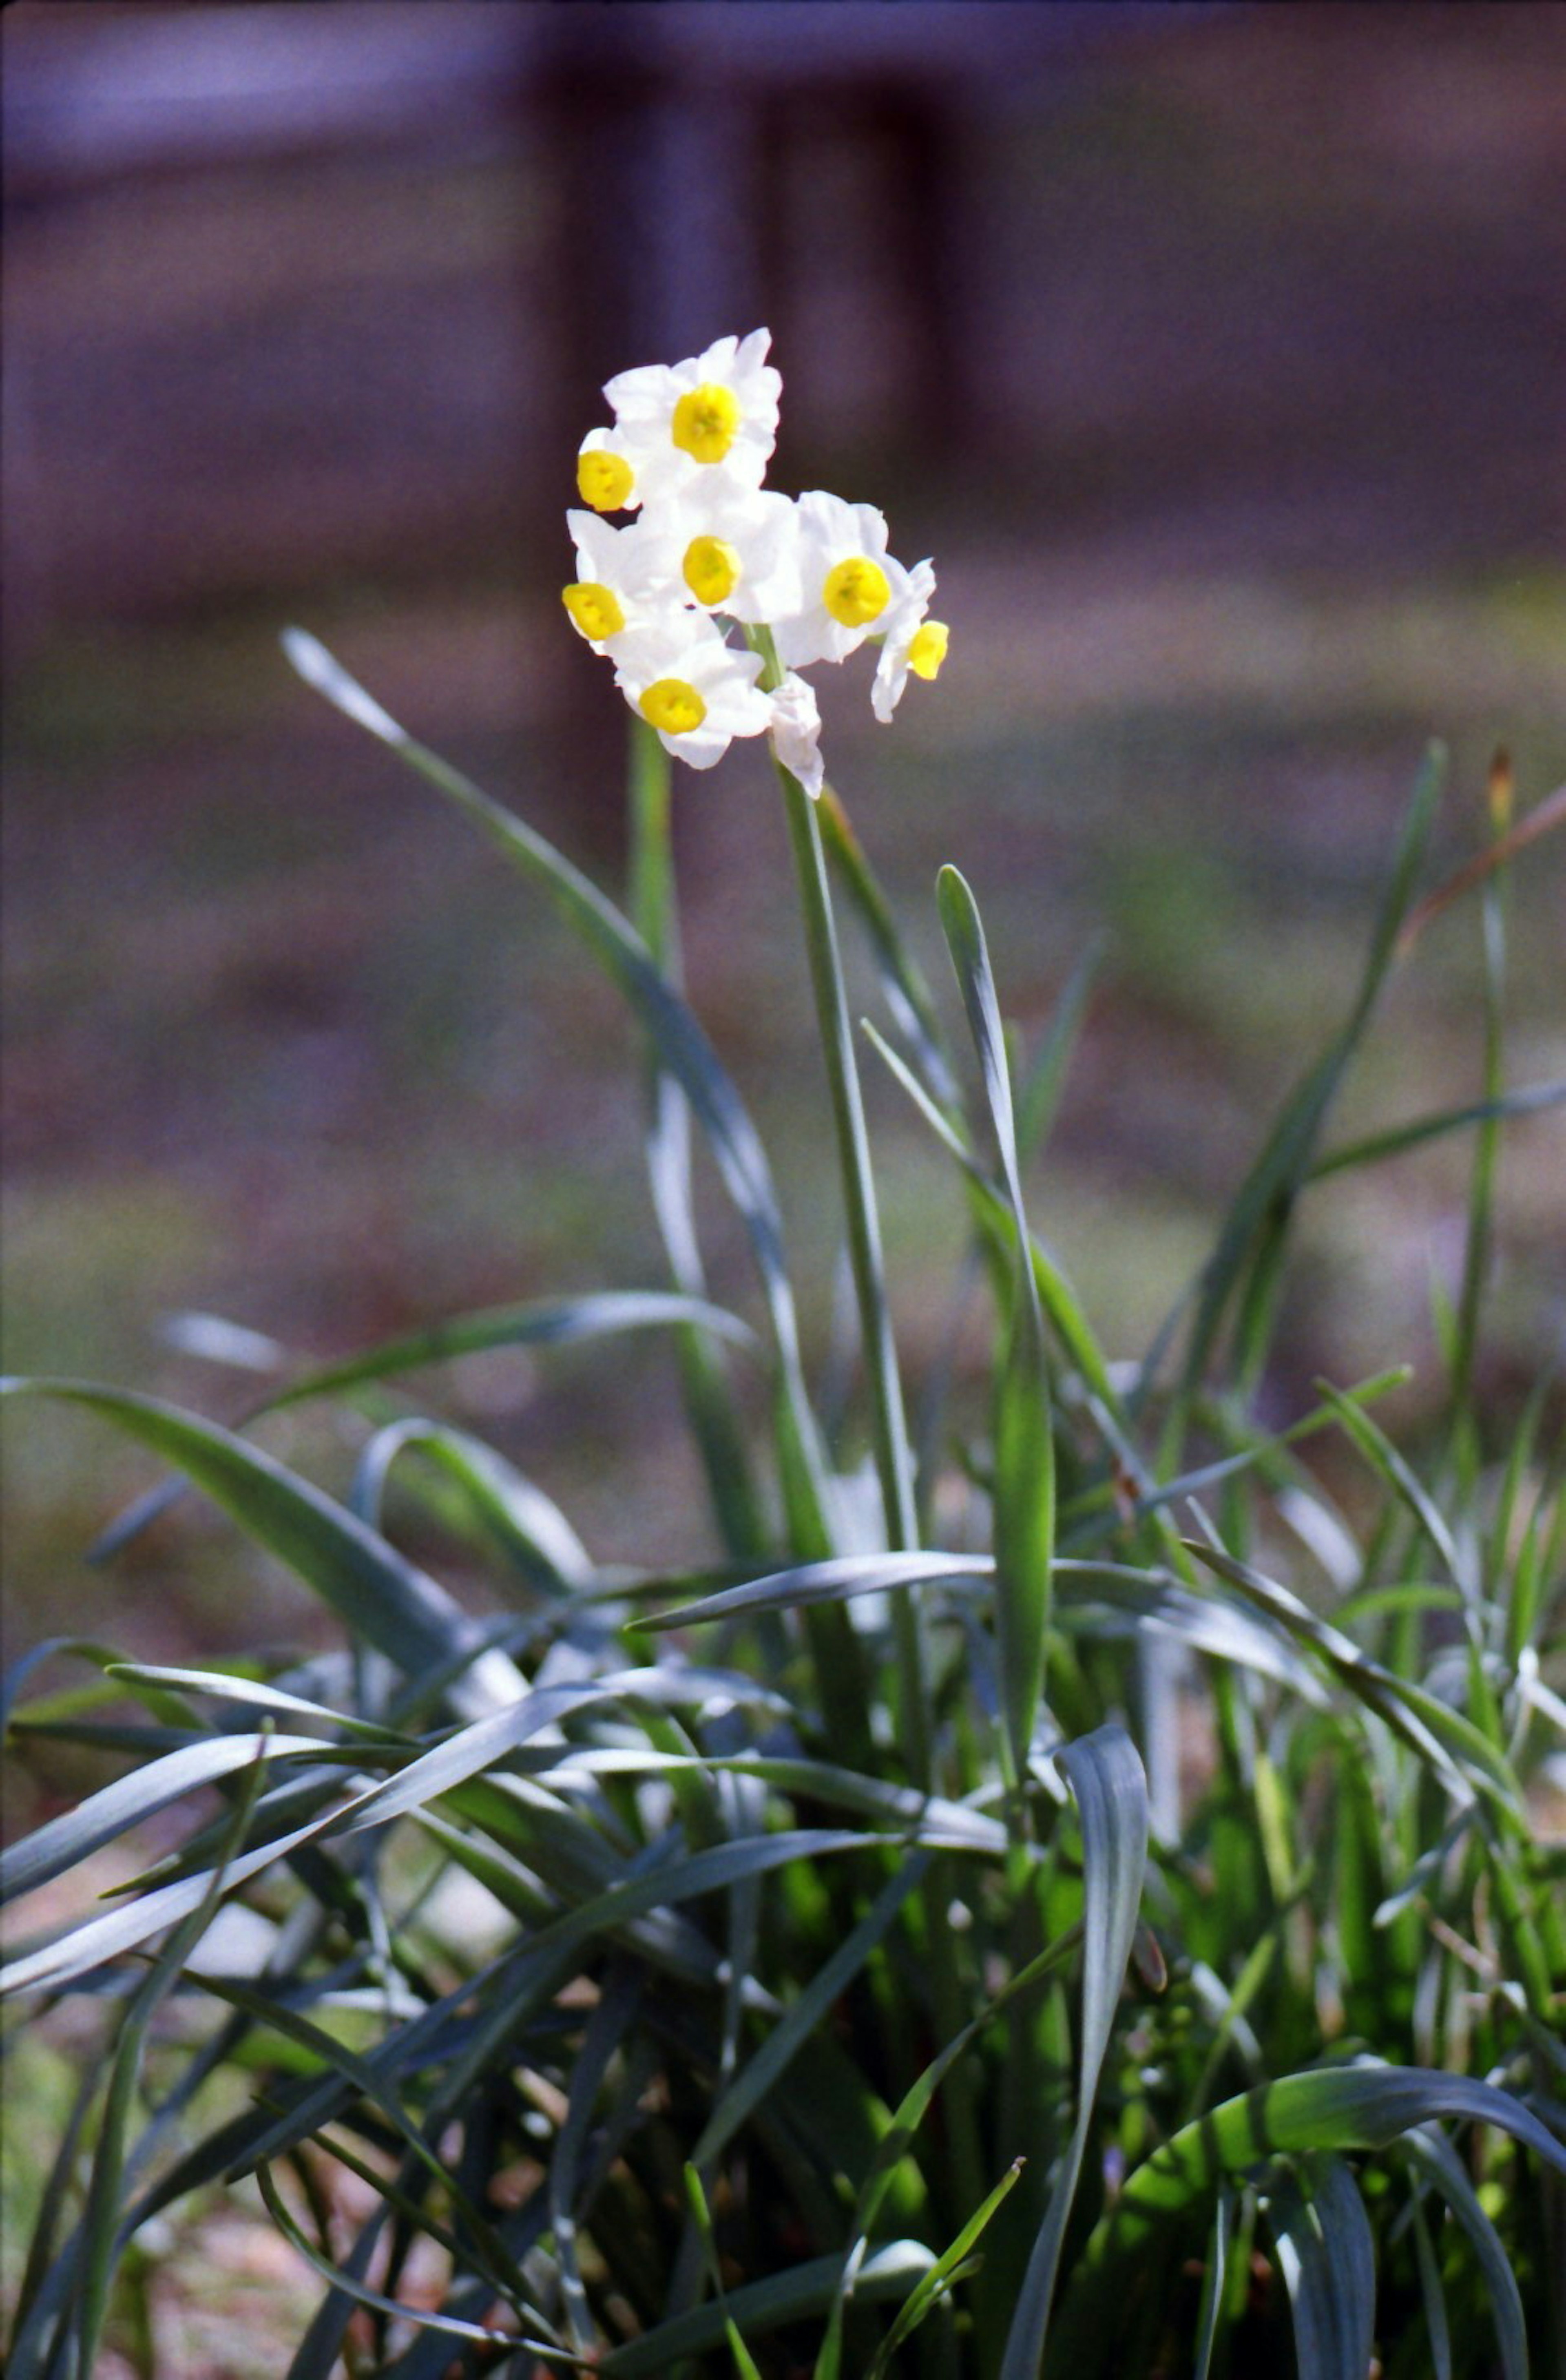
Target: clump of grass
x,y
1113,1936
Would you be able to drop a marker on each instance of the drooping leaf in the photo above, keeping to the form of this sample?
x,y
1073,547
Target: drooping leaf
x,y
1328,2259
381,1596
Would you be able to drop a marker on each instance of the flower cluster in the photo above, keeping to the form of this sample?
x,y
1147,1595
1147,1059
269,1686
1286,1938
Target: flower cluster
x,y
712,551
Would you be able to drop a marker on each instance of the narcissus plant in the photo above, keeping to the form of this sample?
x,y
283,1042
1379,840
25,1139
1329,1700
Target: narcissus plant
x,y
801,580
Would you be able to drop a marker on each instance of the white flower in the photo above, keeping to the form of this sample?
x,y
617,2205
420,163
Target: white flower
x,y
729,549
796,734
676,422
912,643
693,687
622,581
850,585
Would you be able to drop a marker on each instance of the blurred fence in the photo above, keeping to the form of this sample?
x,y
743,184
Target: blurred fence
x,y
305,291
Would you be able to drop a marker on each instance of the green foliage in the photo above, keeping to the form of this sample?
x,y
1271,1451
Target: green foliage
x,y
944,1958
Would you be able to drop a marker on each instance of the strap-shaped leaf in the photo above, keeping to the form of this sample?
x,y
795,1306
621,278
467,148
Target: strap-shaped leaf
x,y
797,2295
1106,1776
1460,1754
681,1045
1363,2107
1025,1448
837,1580
1261,1205
77,1833
825,1987
1328,2259
1430,2152
955,2264
906,992
527,1523
378,1594
1534,1100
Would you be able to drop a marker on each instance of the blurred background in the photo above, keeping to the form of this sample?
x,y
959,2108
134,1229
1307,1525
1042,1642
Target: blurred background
x,y
1214,352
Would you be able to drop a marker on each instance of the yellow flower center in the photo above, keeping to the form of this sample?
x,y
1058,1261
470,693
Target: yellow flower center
x,y
857,591
595,609
705,421
929,649
711,569
673,705
603,480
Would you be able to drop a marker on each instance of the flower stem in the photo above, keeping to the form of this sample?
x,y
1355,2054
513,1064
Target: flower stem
x,y
709,1393
893,1460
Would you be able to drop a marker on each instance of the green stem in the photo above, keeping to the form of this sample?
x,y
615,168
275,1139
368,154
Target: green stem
x,y
890,1430
893,1459
708,1393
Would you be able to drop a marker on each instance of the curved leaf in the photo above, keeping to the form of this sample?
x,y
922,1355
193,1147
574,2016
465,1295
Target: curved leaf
x,y
1106,1776
79,1832
378,1594
837,1580
544,1322
794,2296
1330,2107
1328,2259
671,1026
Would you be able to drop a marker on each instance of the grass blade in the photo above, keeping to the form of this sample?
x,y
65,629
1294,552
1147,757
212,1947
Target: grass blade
x,y
1328,2259
372,1589
681,1045
1024,1495
951,2267
1106,1776
1258,1214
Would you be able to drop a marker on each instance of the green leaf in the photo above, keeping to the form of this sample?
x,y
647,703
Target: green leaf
x,y
101,2222
1341,2108
943,2275
744,2362
836,1581
1023,1490
79,1832
376,1594
1461,1755
1259,1215
907,995
1328,2259
447,2326
798,2295
1432,2155
681,1045
1046,1076
827,1985
1106,1776
909,2114
1532,1101
1219,2240
544,1322
530,1529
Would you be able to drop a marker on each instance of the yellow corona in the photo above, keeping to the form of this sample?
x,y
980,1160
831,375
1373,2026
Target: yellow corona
x,y
705,421
711,569
603,480
857,591
672,707
595,609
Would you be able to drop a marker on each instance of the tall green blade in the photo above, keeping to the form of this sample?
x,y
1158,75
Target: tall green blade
x,y
1024,1451
1106,1776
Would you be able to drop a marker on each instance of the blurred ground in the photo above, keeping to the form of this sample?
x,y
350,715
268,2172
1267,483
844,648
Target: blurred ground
x,y
1258,317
